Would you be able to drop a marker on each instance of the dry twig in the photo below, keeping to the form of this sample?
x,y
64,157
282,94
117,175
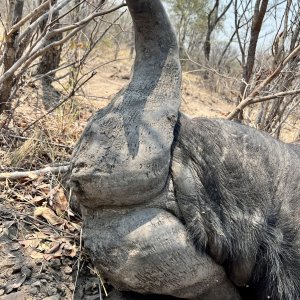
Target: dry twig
x,y
33,174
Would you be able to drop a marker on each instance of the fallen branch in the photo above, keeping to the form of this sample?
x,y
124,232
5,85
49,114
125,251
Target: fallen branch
x,y
33,174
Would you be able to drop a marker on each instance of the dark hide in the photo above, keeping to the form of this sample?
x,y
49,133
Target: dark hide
x,y
238,192
235,195
121,177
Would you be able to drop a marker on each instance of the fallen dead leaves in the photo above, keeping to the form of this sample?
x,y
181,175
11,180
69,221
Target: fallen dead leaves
x,y
36,222
46,246
54,210
45,209
49,215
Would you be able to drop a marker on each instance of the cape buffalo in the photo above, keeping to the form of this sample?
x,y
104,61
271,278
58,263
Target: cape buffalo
x,y
174,206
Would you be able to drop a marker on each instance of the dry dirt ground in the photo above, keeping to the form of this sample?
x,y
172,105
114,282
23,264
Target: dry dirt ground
x,y
195,101
41,253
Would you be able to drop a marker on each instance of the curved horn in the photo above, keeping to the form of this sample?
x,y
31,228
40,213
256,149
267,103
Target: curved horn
x,y
123,156
155,38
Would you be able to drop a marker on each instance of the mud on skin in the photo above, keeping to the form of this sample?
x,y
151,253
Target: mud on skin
x,y
189,208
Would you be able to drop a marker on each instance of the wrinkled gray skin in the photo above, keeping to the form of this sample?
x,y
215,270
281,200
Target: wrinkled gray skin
x,y
169,203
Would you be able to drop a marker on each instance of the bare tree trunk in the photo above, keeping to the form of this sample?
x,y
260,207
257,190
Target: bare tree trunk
x,y
277,111
15,15
258,16
212,21
51,58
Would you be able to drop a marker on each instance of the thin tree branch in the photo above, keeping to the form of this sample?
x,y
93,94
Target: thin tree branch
x,y
264,83
224,11
15,27
32,26
38,50
286,116
87,19
274,96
